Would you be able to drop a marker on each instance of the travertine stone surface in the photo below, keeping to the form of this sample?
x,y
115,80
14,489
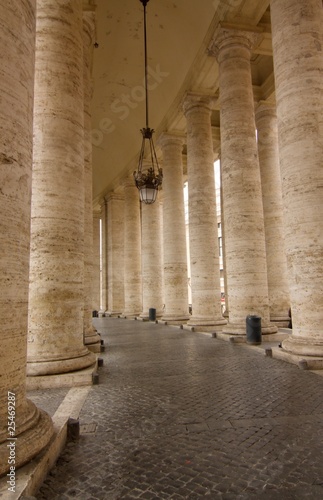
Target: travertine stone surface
x,y
278,290
115,249
56,297
32,427
203,237
297,30
96,301
151,258
132,251
104,212
174,237
246,268
91,338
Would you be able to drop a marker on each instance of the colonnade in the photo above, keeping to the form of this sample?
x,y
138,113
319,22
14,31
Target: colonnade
x,y
272,203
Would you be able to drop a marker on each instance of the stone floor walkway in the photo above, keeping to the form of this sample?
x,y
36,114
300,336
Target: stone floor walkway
x,y
181,415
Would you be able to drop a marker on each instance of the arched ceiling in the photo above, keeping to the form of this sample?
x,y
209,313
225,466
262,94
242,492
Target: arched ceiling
x,y
178,33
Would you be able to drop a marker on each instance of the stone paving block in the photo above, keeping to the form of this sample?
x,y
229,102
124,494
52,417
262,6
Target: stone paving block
x,y
182,415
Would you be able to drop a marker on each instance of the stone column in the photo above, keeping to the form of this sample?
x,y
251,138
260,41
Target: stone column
x,y
174,239
104,249
242,201
91,338
31,427
203,227
132,251
115,242
96,267
297,30
279,303
56,296
151,259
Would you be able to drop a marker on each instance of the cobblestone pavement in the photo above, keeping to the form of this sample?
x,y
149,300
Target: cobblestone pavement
x,y
180,415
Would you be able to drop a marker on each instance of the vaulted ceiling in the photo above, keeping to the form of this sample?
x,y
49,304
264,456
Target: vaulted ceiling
x,y
179,33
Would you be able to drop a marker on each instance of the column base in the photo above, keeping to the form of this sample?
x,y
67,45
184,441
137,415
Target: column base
x,y
113,314
82,360
280,321
74,379
101,313
92,341
303,362
206,325
301,346
30,442
130,315
240,329
175,319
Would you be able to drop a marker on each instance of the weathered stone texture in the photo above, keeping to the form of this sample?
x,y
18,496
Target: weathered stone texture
x,y
174,237
151,258
203,238
297,30
115,254
132,251
278,290
242,202
32,427
56,294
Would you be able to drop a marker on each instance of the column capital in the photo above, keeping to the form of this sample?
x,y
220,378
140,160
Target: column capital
x,y
113,196
228,36
97,214
89,5
171,138
196,100
128,181
265,107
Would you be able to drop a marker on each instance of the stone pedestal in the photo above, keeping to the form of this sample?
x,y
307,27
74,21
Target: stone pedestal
x,y
115,250
279,302
56,297
297,48
174,238
91,339
31,428
246,269
203,237
132,251
151,259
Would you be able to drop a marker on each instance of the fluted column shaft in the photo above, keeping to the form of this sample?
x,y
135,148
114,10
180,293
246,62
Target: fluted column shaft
x,y
56,296
32,427
203,232
297,29
242,200
278,290
91,338
96,278
151,258
115,243
132,251
174,238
